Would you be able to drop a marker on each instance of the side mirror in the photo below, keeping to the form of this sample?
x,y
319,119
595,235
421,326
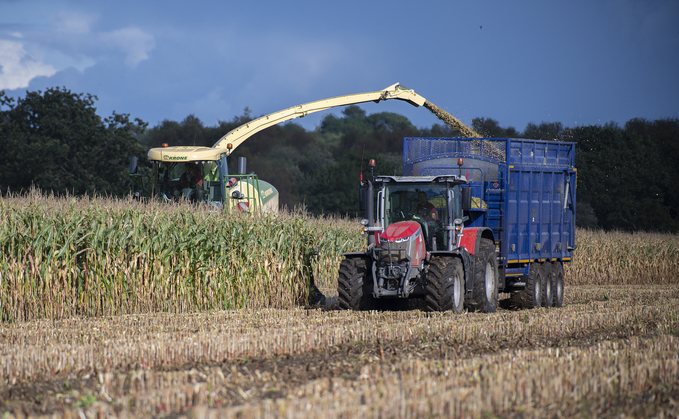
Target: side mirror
x,y
362,199
466,197
133,165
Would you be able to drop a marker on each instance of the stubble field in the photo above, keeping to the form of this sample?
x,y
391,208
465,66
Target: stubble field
x,y
611,351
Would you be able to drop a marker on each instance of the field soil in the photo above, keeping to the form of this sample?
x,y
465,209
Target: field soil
x,y
609,352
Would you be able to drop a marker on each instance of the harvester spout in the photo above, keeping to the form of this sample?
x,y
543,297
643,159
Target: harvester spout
x,y
237,136
398,91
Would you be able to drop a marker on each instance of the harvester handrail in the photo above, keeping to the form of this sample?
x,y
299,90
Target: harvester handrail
x,y
238,135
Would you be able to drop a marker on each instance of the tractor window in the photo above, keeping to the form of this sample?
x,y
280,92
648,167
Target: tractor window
x,y
426,203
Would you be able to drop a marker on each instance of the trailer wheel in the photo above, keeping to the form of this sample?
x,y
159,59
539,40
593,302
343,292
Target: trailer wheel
x,y
531,296
445,285
485,286
354,285
547,285
558,284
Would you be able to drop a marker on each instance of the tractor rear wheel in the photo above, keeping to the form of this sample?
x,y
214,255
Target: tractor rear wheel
x,y
531,296
485,286
445,285
354,285
558,284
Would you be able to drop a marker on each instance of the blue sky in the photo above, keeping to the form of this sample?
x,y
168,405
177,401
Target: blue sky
x,y
575,62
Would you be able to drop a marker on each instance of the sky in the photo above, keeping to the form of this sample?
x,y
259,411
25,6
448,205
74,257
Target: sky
x,y
576,62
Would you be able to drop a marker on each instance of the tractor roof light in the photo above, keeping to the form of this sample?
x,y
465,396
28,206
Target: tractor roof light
x,y
460,161
164,144
371,163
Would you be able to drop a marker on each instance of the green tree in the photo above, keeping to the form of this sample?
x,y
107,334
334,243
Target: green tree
x,y
622,178
548,131
658,166
489,127
56,141
189,132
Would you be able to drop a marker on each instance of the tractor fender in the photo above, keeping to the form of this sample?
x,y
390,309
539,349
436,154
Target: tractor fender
x,y
469,244
471,238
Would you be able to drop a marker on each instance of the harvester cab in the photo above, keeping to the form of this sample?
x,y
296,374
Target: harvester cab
x,y
200,175
190,181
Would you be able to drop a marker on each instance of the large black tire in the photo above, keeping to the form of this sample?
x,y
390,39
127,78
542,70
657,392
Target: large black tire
x,y
531,296
485,280
445,285
547,285
558,284
354,285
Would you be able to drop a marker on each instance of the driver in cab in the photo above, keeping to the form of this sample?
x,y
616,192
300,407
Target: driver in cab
x,y
424,208
190,179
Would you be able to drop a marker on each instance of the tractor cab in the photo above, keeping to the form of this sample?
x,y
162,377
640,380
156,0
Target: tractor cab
x,y
432,202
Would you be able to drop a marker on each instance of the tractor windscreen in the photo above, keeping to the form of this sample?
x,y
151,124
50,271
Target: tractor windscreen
x,y
426,203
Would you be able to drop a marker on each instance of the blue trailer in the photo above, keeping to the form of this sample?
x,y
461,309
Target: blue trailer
x,y
523,191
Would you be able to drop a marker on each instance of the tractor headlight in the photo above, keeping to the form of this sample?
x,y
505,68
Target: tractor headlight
x,y
458,225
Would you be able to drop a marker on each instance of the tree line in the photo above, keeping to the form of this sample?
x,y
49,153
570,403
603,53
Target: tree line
x,y
54,140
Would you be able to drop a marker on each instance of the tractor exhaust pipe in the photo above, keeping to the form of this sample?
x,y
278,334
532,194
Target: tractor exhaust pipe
x,y
370,213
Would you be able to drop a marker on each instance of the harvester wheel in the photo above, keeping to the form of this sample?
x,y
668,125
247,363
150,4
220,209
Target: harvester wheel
x,y
558,284
531,296
547,285
354,285
485,287
445,285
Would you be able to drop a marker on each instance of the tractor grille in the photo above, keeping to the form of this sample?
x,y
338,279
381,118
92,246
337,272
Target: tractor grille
x,y
390,253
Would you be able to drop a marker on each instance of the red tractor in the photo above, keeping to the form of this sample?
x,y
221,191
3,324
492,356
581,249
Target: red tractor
x,y
418,247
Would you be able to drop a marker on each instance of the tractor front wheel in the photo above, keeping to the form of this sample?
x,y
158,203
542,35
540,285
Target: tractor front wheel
x,y
354,285
445,285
